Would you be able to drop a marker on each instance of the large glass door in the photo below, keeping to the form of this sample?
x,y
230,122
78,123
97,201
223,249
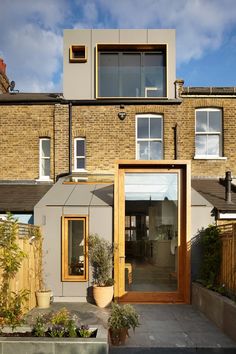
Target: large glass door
x,y
152,251
151,232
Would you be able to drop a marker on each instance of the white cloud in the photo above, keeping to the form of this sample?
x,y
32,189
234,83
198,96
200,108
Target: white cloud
x,y
31,42
31,30
201,24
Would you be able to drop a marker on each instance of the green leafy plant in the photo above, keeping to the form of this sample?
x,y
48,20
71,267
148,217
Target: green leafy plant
x,y
11,257
60,324
101,260
84,331
40,327
211,247
123,316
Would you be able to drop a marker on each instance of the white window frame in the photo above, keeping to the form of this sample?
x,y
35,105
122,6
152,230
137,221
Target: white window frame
x,y
41,157
207,133
80,157
151,116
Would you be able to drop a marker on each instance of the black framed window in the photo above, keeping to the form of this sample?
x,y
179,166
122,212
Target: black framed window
x,y
132,73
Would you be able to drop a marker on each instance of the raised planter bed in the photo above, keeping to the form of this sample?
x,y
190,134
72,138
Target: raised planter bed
x,y
218,308
38,345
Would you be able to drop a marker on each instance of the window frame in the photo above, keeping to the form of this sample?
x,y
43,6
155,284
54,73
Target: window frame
x,y
150,116
65,252
133,49
41,176
79,156
208,133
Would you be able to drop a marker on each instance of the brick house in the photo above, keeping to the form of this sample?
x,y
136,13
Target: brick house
x,y
127,152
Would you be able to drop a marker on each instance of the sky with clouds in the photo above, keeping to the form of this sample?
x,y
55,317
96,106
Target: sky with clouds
x,y
31,36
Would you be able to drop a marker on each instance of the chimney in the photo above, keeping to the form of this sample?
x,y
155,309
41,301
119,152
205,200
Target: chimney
x,y
228,180
4,82
2,67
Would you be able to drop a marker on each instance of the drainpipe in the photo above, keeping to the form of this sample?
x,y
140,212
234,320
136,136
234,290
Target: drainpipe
x,y
228,180
70,137
175,142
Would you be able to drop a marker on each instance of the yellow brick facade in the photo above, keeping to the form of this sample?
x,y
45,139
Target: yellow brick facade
x,y
107,137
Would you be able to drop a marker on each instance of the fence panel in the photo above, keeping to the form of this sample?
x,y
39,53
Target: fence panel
x,y
29,272
228,260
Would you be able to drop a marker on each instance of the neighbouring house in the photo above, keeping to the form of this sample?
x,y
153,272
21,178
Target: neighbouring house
x,y
127,152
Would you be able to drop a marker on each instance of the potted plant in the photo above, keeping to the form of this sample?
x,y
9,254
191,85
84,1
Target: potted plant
x,y
101,260
43,295
121,319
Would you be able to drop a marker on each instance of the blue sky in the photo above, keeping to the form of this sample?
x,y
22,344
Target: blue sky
x,y
32,36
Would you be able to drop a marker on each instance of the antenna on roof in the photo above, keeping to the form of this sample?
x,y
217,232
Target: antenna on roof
x,y
12,86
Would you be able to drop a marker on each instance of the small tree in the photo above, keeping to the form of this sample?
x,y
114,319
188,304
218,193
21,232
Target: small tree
x,y
11,257
101,260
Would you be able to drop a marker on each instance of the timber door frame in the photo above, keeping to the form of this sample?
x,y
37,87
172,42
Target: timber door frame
x,y
182,294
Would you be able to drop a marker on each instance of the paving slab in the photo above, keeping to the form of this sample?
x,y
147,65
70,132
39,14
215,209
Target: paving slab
x,y
165,328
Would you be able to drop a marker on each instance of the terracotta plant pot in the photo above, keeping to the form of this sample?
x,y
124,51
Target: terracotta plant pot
x,y
103,295
118,336
43,298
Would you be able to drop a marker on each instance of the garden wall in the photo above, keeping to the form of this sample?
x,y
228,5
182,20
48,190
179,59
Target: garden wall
x,y
218,308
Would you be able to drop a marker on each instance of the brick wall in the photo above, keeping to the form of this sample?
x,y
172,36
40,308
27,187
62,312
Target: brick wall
x,y
21,126
186,121
107,137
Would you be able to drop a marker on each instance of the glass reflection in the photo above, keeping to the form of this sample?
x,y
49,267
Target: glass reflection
x,y
151,231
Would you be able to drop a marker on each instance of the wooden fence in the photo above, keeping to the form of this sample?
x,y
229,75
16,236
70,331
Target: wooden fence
x,y
29,273
228,261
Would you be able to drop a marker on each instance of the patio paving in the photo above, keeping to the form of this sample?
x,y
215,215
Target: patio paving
x,y
164,329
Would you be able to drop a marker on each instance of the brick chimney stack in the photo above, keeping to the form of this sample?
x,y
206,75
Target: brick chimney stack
x,y
4,82
2,67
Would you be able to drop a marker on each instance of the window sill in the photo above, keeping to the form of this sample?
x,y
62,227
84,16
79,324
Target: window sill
x,y
44,180
210,158
79,170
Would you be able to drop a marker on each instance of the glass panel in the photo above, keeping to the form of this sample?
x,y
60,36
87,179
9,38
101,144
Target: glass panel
x,y
76,264
80,163
151,199
155,128
108,75
143,150
143,127
201,121
213,145
130,72
215,121
80,148
201,145
45,167
46,148
155,150
154,72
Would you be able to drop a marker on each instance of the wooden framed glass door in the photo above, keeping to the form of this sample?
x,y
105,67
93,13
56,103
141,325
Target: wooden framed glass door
x,y
151,223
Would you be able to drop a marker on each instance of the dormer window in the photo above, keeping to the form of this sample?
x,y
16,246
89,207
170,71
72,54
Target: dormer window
x,y
132,71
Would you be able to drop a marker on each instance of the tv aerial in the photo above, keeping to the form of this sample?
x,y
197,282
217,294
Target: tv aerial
x,y
12,87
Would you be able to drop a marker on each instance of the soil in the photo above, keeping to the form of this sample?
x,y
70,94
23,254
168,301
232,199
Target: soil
x,y
31,334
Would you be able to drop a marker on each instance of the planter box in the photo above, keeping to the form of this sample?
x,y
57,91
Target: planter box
x,y
218,308
38,345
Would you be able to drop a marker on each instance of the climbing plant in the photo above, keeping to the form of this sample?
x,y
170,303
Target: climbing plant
x,y
211,260
11,257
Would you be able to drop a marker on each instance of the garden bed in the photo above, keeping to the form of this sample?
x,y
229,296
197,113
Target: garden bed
x,y
218,308
48,345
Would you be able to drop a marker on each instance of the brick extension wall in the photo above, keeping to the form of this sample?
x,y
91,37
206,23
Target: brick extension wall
x,y
107,137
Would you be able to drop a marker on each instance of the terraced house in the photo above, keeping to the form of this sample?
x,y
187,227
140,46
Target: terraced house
x,y
127,152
